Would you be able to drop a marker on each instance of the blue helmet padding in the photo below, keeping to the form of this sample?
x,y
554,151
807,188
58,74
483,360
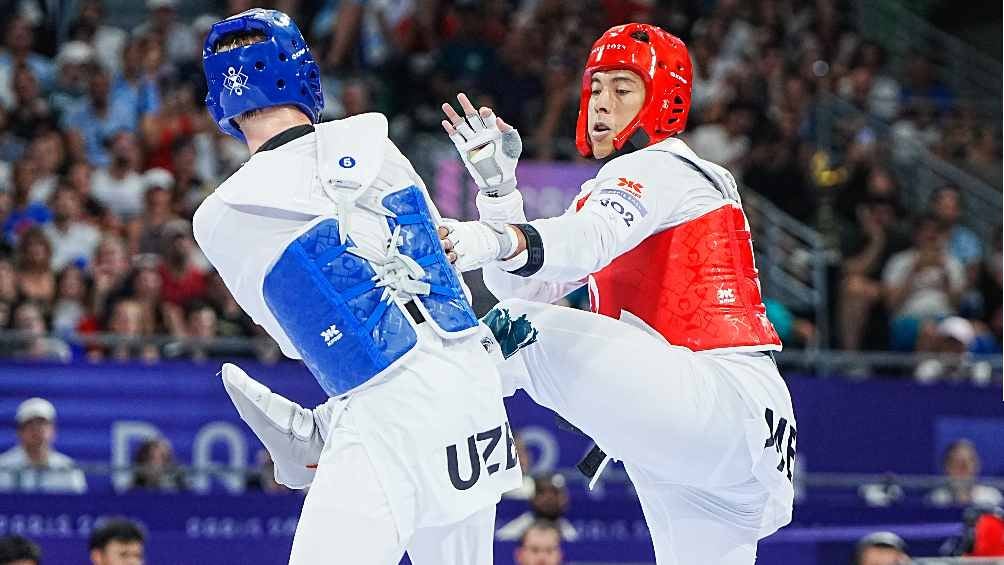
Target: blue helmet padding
x,y
277,71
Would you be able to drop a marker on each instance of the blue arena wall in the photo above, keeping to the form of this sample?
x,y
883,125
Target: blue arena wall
x,y
104,411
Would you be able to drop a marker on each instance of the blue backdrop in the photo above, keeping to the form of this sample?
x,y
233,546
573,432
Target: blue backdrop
x,y
105,410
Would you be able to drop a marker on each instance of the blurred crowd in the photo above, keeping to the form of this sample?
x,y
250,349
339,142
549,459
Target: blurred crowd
x,y
106,150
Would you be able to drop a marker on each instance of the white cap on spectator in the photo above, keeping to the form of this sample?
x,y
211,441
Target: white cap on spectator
x,y
158,177
35,408
959,329
75,53
157,4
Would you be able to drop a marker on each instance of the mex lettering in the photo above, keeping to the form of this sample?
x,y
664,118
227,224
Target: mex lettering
x,y
775,439
481,448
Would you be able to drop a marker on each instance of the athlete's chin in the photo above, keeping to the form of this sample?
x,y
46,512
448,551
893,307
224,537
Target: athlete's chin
x,y
602,150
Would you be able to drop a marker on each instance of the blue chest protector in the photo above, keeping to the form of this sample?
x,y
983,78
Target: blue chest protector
x,y
342,318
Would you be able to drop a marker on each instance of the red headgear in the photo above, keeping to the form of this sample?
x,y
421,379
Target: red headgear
x,y
661,60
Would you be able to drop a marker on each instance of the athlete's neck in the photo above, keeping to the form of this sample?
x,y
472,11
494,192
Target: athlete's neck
x,y
270,122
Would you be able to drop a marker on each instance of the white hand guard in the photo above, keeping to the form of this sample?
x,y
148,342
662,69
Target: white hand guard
x,y
287,429
489,154
479,243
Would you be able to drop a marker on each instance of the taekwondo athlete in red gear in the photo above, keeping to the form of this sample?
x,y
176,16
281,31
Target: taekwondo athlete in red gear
x,y
675,376
326,237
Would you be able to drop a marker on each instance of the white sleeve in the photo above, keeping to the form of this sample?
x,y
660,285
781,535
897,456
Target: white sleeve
x,y
630,200
508,209
227,255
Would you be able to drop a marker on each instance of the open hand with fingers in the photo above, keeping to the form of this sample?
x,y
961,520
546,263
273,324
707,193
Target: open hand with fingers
x,y
489,147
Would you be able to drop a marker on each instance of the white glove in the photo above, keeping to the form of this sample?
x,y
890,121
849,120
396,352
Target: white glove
x,y
489,147
476,244
287,429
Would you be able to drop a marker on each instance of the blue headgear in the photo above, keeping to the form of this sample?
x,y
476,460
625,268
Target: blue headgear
x,y
278,70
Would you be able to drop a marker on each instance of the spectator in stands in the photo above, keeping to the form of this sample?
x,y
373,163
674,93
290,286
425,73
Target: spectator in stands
x,y
184,282
189,188
134,87
118,186
92,28
71,309
36,344
11,148
18,52
33,465
922,84
73,70
146,230
35,279
130,325
24,214
78,177
263,477
867,246
8,281
73,239
19,550
724,140
921,283
881,548
147,290
549,502
961,468
156,469
983,155
231,319
97,119
202,331
179,117
164,26
47,152
109,274
953,340
963,243
117,541
540,544
31,112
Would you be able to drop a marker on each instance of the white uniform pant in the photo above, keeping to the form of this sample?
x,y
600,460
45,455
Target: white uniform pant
x,y
347,517
712,474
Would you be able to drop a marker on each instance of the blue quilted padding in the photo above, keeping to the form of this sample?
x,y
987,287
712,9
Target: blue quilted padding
x,y
324,299
445,302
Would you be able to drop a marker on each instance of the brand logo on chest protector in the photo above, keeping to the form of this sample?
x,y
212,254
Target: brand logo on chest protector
x,y
331,335
726,296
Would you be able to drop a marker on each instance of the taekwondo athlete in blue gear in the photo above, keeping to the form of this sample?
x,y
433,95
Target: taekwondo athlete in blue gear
x,y
327,238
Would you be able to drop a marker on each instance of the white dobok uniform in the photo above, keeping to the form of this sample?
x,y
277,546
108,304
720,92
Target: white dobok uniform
x,y
707,437
397,472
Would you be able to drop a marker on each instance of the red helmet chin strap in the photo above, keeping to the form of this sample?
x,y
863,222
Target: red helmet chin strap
x,y
662,62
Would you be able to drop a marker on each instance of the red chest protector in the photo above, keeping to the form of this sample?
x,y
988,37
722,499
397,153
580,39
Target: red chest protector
x,y
696,284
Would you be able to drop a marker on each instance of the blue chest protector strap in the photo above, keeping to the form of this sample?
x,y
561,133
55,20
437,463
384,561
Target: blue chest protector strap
x,y
445,305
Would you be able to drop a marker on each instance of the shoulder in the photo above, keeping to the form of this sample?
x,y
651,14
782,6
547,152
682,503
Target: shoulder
x,y
899,261
57,459
656,164
202,220
12,456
